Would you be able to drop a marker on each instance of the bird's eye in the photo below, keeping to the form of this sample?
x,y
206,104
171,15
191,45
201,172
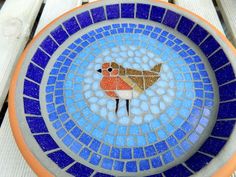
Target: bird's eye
x,y
110,69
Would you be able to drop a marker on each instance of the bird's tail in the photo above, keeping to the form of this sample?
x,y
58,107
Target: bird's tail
x,y
157,68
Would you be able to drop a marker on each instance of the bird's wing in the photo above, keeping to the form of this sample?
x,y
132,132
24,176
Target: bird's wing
x,y
131,83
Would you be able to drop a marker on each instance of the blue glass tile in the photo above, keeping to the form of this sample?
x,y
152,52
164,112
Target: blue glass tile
x,y
31,89
167,157
179,134
57,124
134,130
107,163
198,34
61,133
95,159
193,137
95,145
53,116
36,124
126,153
142,11
226,110
59,34
75,147
84,138
225,74
228,91
118,166
162,39
218,59
84,19
34,73
185,25
49,98
178,171
150,151
209,46
138,152
98,14
156,162
223,128
185,145
69,125
61,158
161,146
198,161
71,25
40,58
49,45
178,151
32,107
46,142
105,150
212,146
49,89
61,109
157,14
152,137
131,166
171,141
198,102
115,152
144,165
80,170
171,19
85,153
186,127
127,10
67,140
52,80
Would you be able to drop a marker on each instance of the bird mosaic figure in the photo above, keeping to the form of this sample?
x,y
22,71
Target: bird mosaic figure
x,y
126,83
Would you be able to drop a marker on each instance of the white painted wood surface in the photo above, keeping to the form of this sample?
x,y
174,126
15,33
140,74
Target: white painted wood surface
x,y
12,163
16,21
53,9
204,8
228,11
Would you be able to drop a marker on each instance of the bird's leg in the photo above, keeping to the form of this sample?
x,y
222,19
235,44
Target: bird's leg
x,y
117,105
127,106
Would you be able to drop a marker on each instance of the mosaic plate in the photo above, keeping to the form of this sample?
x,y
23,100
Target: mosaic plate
x,y
125,88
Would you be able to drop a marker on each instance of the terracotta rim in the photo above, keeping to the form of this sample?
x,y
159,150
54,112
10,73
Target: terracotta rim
x,y
225,171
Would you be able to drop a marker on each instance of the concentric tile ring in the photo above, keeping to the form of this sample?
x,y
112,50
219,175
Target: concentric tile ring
x,y
75,141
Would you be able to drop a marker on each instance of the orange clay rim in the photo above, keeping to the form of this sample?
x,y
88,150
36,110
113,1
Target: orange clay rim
x,y
225,171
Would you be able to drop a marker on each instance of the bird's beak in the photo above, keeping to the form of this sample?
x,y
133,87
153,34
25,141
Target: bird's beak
x,y
99,70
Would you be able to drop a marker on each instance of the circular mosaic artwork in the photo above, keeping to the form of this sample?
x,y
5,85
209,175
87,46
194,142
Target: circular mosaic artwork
x,y
125,89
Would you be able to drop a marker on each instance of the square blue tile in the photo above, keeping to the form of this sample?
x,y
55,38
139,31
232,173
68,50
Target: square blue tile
x,y
157,14
84,19
61,158
107,163
171,19
59,34
131,166
71,25
127,10
49,45
98,14
142,11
